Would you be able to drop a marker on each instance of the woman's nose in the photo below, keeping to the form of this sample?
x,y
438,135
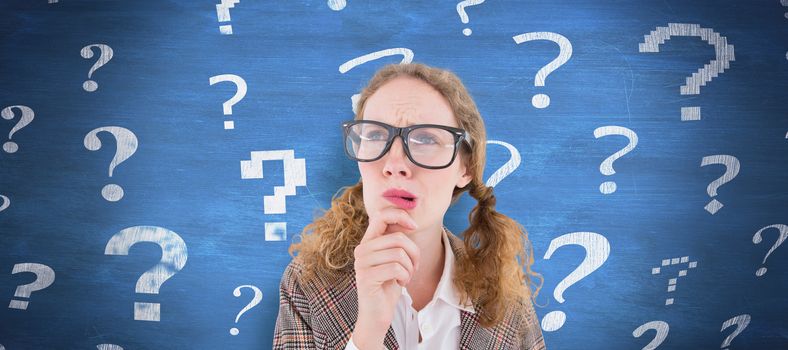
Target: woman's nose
x,y
396,161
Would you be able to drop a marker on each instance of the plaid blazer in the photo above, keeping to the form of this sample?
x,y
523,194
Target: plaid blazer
x,y
322,314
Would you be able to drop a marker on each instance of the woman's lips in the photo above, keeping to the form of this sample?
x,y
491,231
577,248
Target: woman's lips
x,y
402,203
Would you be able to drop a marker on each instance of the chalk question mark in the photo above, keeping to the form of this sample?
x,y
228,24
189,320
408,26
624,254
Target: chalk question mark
x,y
45,276
507,168
108,347
732,166
597,250
565,52
223,13
336,5
464,16
661,327
757,238
5,203
87,52
294,174
721,62
173,258
741,323
258,296
126,146
8,114
606,168
407,57
672,283
240,92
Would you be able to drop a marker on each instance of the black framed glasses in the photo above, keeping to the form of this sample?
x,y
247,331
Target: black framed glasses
x,y
430,146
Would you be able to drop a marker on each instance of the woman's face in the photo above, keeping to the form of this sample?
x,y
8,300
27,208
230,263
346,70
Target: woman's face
x,y
405,101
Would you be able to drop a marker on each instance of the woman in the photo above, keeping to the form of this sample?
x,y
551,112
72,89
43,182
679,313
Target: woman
x,y
379,268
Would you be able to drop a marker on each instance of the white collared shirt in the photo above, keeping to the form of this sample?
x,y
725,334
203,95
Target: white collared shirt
x,y
438,321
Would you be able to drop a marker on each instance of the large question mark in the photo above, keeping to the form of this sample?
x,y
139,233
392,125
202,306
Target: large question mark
x,y
757,238
223,13
126,146
741,323
294,174
26,118
45,276
597,250
723,57
107,347
672,283
565,47
240,92
507,168
732,166
87,52
407,57
464,16
661,327
5,203
258,296
173,258
606,168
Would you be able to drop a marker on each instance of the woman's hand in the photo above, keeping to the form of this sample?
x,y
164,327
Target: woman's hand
x,y
384,263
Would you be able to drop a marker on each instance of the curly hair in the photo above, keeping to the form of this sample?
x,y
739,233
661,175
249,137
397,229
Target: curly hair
x,y
497,247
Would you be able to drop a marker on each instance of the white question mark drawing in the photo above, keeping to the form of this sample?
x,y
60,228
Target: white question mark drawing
x,y
741,323
126,146
672,283
597,250
45,276
8,114
407,57
5,203
662,329
507,168
87,52
336,5
108,347
240,92
464,16
606,168
757,238
724,56
258,296
173,258
294,174
223,13
565,47
732,166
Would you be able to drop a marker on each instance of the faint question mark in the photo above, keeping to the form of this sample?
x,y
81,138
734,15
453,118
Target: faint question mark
x,y
565,47
223,13
662,329
258,295
606,168
507,168
757,238
672,283
5,203
240,92
45,276
126,146
731,164
597,250
741,323
723,51
464,16
336,5
407,57
294,174
173,258
109,347
51,2
87,52
26,118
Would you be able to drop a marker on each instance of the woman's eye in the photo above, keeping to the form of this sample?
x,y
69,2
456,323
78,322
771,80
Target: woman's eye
x,y
374,136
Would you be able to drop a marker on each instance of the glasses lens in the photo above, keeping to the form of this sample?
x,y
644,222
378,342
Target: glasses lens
x,y
366,141
431,146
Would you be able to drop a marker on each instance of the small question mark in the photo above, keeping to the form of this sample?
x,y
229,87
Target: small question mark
x,y
464,16
240,92
5,203
721,62
173,258
336,5
757,238
87,52
8,114
542,100
731,170
673,281
507,168
741,323
407,57
45,276
223,13
126,146
107,347
597,250
662,329
294,174
606,168
258,295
